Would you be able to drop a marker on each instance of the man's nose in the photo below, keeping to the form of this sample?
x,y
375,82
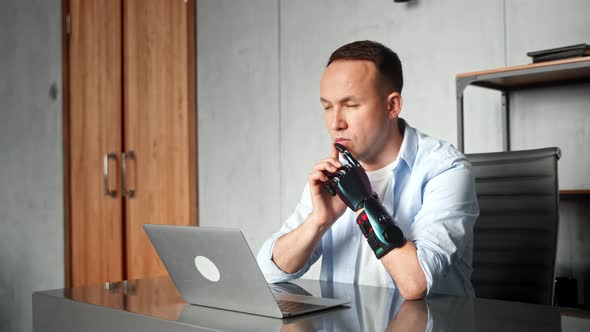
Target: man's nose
x,y
337,121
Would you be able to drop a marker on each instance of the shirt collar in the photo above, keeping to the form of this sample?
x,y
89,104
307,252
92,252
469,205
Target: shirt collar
x,y
409,147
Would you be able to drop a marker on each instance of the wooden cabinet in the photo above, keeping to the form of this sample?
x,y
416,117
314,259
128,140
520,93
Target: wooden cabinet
x,y
130,133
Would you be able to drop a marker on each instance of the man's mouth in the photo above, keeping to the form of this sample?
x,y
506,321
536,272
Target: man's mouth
x,y
341,140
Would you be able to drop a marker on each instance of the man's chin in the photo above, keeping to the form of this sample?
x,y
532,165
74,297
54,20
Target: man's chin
x,y
352,150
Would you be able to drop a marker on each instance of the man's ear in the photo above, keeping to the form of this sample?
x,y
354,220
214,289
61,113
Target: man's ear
x,y
394,104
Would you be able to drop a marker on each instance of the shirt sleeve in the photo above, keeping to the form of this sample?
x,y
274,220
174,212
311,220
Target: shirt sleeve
x,y
272,273
443,228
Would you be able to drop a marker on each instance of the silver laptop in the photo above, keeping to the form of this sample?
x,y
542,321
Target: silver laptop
x,y
215,267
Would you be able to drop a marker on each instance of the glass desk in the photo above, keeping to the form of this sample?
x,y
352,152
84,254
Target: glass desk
x,y
155,305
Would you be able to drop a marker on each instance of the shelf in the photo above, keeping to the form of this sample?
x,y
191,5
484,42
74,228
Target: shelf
x,y
574,194
550,73
574,70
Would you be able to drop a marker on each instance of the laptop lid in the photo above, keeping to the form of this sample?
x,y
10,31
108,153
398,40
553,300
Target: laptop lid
x,y
213,267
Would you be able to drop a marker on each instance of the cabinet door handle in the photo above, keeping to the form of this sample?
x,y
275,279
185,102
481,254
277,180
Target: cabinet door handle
x,y
105,174
129,155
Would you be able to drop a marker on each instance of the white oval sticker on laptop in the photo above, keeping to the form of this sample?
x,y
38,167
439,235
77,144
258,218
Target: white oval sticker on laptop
x,y
206,267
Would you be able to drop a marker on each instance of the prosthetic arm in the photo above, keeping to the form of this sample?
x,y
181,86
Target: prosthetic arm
x,y
351,184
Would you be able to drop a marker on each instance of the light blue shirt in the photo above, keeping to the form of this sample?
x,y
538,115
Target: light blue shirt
x,y
434,202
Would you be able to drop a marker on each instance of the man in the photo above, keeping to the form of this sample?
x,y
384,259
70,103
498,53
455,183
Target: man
x,y
425,185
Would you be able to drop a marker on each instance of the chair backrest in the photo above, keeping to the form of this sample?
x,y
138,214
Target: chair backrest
x,y
515,237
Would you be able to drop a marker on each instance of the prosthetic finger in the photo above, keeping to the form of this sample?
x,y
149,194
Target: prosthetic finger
x,y
342,149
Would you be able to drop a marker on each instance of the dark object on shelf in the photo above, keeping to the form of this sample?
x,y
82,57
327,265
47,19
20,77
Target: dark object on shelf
x,y
560,53
566,292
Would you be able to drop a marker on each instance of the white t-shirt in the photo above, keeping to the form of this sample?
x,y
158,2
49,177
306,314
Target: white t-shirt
x,y
370,271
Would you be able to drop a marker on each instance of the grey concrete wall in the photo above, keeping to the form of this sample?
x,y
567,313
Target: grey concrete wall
x,y
555,116
31,190
238,115
260,63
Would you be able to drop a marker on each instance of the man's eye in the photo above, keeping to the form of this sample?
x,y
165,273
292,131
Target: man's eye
x,y
327,108
352,105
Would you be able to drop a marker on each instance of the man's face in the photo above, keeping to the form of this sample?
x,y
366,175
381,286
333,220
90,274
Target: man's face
x,y
356,108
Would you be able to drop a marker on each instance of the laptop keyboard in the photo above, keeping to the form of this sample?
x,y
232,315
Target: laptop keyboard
x,y
292,307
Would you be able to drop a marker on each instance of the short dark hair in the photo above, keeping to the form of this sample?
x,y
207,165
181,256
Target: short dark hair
x,y
386,61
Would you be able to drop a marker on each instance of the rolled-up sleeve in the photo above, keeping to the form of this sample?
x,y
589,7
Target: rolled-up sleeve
x,y
272,273
443,228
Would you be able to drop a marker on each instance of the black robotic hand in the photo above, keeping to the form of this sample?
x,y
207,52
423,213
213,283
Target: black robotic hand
x,y
351,184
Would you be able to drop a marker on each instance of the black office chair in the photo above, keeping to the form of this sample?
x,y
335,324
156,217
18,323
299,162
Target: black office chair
x,y
515,237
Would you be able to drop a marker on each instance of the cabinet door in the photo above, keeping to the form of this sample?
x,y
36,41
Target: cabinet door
x,y
157,124
95,108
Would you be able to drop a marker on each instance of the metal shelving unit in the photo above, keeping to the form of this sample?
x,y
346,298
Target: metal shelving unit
x,y
506,80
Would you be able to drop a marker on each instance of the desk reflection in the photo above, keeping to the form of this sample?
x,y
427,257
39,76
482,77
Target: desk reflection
x,y
370,309
384,309
412,316
155,297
